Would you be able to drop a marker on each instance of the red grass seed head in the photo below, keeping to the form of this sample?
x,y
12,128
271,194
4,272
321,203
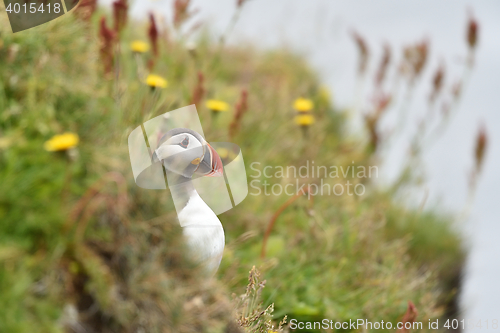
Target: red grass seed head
x,y
120,11
384,65
362,50
199,90
153,34
472,32
481,145
86,9
409,317
181,13
107,41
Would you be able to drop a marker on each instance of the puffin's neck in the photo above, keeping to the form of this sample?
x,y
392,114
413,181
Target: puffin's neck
x,y
181,188
190,207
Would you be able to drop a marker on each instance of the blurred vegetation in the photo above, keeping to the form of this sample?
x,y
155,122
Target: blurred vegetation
x,y
83,249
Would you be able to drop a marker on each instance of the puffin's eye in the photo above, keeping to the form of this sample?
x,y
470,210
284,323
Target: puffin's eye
x,y
184,142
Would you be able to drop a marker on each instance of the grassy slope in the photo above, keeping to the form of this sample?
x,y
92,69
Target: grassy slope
x,y
351,257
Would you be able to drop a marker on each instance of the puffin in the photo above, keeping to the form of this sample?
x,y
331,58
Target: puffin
x,y
186,155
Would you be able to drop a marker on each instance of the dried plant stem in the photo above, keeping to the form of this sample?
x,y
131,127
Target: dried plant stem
x,y
118,94
305,132
91,193
230,27
480,151
435,134
67,179
469,203
151,101
354,114
275,217
141,69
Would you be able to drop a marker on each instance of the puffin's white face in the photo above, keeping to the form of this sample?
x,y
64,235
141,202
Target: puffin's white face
x,y
185,154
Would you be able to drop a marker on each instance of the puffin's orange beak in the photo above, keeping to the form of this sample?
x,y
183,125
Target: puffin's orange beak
x,y
216,163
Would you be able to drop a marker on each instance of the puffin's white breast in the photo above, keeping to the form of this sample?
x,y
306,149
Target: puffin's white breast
x,y
206,243
203,232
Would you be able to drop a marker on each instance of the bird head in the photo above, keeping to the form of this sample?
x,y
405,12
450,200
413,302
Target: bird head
x,y
185,152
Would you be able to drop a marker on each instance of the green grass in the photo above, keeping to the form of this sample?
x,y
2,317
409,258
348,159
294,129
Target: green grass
x,y
339,257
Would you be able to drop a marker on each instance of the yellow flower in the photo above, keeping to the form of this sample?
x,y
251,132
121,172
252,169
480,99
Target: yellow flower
x,y
223,153
304,119
139,46
216,105
156,81
303,104
62,142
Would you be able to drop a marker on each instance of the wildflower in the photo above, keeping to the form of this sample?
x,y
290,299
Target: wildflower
x,y
139,46
303,105
62,142
304,120
156,81
223,153
217,106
